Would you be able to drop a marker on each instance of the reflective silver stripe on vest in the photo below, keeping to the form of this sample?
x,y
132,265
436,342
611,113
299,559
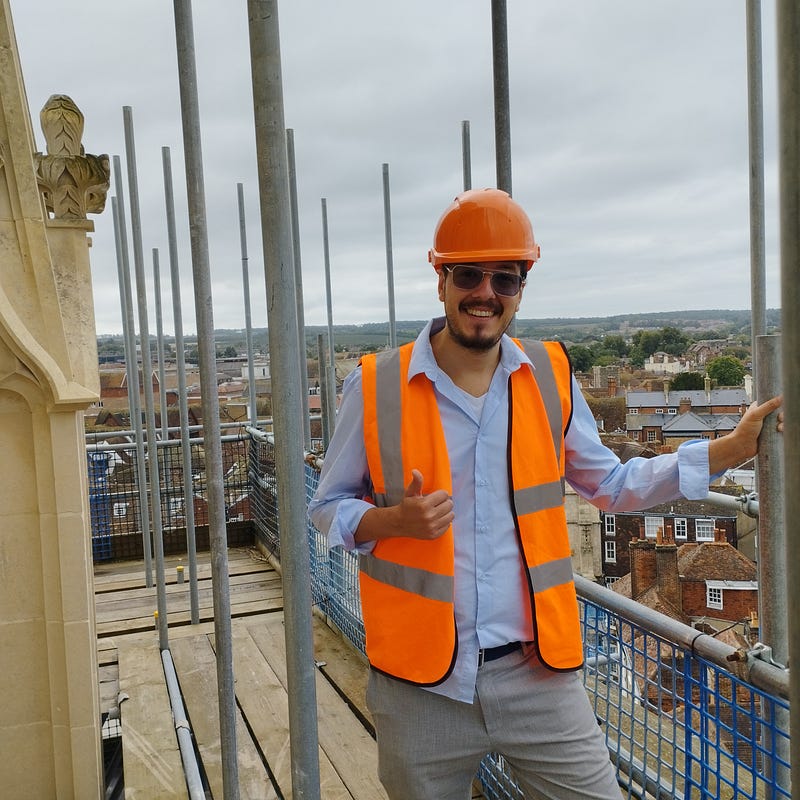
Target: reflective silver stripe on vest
x,y
546,380
537,498
410,579
553,573
389,413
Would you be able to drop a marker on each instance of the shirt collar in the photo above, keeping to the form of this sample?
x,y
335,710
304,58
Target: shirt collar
x,y
423,360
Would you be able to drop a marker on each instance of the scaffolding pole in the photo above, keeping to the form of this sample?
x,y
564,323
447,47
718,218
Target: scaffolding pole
x,y
183,400
248,323
788,47
201,271
502,110
466,155
284,347
132,367
387,228
298,286
147,377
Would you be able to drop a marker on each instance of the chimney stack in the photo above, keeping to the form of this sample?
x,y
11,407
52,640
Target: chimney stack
x,y
643,566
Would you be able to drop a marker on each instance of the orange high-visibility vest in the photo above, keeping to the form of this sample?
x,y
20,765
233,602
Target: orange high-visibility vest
x,y
407,584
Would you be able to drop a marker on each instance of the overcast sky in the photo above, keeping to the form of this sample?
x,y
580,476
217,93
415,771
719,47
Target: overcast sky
x,y
628,127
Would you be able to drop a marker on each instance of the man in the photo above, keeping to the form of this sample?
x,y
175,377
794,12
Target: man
x,y
446,473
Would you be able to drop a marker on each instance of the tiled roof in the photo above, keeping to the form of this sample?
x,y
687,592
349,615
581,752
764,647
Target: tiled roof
x,y
716,561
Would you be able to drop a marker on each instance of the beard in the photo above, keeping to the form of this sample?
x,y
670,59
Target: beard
x,y
479,341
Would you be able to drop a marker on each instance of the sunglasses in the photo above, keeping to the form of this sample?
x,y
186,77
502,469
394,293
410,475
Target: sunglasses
x,y
468,277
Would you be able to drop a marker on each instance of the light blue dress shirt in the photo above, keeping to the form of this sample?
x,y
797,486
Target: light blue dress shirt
x,y
492,605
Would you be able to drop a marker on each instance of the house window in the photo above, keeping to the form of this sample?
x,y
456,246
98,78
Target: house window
x,y
680,528
633,410
659,411
120,509
611,551
704,530
713,597
651,436
672,411
610,525
634,435
651,526
610,579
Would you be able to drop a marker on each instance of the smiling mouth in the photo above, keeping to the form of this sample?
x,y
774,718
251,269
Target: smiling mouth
x,y
480,312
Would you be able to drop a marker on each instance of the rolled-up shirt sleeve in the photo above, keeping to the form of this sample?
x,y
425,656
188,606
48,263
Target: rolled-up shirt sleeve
x,y
338,505
596,473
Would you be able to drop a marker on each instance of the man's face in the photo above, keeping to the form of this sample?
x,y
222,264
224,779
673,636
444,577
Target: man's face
x,y
477,317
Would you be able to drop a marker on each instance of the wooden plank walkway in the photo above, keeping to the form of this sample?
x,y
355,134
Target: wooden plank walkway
x,y
130,667
131,678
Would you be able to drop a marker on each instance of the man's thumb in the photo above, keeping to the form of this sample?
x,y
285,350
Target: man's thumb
x,y
414,488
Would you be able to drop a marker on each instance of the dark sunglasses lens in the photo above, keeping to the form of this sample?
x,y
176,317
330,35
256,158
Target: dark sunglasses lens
x,y
505,284
466,277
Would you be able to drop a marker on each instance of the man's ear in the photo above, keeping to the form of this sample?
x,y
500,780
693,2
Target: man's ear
x,y
442,276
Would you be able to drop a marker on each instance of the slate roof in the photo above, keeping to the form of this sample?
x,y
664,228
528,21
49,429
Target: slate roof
x,y
719,397
691,423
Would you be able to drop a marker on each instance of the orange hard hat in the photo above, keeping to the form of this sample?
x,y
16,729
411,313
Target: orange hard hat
x,y
483,225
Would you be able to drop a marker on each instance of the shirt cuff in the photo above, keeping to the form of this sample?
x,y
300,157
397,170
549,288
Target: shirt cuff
x,y
693,469
342,530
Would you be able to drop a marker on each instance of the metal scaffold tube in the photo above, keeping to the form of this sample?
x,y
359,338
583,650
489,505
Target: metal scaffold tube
x,y
265,60
201,271
298,279
466,155
502,109
162,383
329,409
755,117
387,229
183,400
248,324
132,367
788,47
147,377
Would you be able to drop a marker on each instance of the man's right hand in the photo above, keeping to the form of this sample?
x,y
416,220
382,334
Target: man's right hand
x,y
418,515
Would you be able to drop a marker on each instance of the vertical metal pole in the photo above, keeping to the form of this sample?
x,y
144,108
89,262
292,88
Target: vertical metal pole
x,y
330,368
323,391
466,154
298,286
251,371
773,620
147,378
133,381
755,107
183,401
130,358
387,227
265,60
160,348
201,270
788,45
502,113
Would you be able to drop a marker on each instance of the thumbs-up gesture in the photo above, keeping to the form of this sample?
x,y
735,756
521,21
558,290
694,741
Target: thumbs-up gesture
x,y
424,516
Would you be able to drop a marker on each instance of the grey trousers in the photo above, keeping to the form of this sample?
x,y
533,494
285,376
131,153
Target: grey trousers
x,y
429,747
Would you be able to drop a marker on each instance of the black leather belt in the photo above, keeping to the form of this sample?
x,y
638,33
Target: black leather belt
x,y
493,653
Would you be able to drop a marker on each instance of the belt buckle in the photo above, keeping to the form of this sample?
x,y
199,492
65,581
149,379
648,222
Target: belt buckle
x,y
481,652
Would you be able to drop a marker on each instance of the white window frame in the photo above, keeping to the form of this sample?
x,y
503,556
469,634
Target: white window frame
x,y
610,579
705,523
714,597
659,411
652,436
681,528
120,510
651,526
610,551
633,410
672,411
610,525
